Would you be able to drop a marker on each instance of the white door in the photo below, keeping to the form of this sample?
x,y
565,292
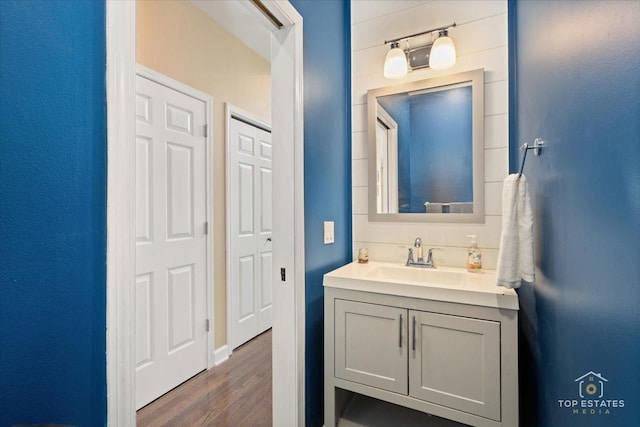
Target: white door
x,y
250,228
171,335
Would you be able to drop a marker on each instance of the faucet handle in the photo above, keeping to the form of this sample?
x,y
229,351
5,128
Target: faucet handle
x,y
410,255
430,256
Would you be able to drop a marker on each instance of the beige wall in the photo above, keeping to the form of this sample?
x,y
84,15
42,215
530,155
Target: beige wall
x,y
481,42
180,41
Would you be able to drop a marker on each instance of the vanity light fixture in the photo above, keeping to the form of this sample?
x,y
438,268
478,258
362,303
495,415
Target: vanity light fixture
x,y
438,55
443,52
395,64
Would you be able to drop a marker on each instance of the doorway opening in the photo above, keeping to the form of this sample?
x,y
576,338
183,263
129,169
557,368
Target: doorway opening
x,y
227,70
288,250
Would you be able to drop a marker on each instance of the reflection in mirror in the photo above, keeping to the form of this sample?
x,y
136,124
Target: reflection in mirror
x,y
429,133
428,146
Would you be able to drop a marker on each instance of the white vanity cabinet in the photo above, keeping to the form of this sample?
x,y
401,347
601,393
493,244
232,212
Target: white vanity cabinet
x,y
451,359
371,345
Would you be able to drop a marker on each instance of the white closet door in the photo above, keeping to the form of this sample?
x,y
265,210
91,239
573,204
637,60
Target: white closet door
x,y
171,337
250,228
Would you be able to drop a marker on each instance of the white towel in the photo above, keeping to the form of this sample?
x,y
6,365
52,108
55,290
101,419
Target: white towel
x,y
515,260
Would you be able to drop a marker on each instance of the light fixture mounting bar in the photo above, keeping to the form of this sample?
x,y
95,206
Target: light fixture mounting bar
x,y
446,27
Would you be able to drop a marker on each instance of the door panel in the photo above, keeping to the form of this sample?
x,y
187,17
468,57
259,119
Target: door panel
x,y
250,224
144,325
456,362
246,199
179,191
179,119
171,252
246,289
144,190
181,305
265,196
371,345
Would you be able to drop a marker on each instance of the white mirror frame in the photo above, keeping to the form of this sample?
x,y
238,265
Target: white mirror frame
x,y
476,78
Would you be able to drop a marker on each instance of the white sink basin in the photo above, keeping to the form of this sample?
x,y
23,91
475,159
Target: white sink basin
x,y
414,274
447,284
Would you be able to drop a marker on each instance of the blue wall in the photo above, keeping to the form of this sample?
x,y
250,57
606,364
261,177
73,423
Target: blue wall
x,y
576,71
441,147
327,184
52,212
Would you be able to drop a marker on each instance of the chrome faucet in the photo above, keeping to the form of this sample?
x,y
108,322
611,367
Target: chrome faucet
x,y
420,262
418,245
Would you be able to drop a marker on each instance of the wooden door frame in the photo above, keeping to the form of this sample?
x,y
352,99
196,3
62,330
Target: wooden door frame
x,y
170,83
232,111
288,113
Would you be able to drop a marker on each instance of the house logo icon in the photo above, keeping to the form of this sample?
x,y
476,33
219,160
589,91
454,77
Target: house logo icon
x,y
591,385
591,401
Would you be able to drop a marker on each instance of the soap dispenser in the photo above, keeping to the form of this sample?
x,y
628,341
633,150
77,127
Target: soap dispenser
x,y
474,257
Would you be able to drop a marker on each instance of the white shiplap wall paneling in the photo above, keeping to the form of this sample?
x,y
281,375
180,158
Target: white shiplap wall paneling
x,y
360,200
431,234
496,164
481,42
496,98
359,147
496,131
365,10
450,256
359,173
493,198
359,118
430,14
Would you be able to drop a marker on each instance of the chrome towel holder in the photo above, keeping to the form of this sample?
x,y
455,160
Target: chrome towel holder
x,y
538,143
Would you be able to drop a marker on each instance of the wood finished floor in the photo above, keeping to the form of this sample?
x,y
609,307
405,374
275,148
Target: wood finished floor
x,y
235,394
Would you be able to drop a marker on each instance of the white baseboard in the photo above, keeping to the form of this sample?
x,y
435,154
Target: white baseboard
x,y
221,355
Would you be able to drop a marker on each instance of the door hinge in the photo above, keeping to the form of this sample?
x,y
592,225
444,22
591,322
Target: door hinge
x,y
207,325
283,274
206,130
206,227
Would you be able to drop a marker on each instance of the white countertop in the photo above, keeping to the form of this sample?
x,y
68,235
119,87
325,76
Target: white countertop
x,y
474,288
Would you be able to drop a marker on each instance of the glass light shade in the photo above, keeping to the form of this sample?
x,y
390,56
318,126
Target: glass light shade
x,y
443,54
395,64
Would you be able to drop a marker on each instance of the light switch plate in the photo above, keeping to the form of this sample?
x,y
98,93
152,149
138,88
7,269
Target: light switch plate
x,y
328,232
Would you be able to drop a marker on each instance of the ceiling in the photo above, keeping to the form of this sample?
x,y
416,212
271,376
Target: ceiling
x,y
243,20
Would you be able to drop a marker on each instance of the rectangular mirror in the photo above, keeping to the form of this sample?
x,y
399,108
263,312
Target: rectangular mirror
x,y
426,150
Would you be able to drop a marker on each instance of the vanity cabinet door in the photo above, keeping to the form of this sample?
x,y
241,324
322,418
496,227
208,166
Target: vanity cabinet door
x,y
371,345
455,362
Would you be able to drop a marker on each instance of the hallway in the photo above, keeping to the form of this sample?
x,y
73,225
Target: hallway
x,y
236,393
